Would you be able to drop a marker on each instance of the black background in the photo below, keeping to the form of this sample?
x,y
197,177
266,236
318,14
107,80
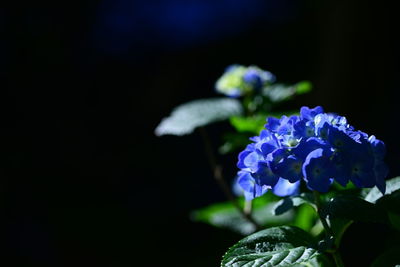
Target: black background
x,y
85,180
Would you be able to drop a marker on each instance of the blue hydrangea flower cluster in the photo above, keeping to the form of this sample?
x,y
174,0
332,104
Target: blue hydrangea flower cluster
x,y
239,80
316,147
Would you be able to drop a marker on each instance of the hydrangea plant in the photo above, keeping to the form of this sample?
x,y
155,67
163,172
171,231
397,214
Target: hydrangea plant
x,y
304,177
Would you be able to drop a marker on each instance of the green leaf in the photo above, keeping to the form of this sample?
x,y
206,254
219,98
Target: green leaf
x,y
234,141
317,229
253,124
391,185
289,203
353,208
394,220
279,92
391,204
225,215
305,217
349,186
187,117
389,258
339,227
303,87
277,246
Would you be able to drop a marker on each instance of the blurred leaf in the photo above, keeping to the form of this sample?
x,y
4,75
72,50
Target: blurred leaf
x,y
277,246
234,141
253,124
225,215
389,258
187,117
305,217
279,92
374,194
317,229
354,208
303,87
289,203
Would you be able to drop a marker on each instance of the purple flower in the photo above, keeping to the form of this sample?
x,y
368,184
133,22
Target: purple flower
x,y
315,147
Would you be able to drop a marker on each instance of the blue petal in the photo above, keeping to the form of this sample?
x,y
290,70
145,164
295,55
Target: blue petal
x,y
284,188
304,129
241,157
309,114
307,145
289,168
317,171
246,181
361,168
339,139
251,161
341,168
287,124
265,174
378,147
322,125
249,185
277,156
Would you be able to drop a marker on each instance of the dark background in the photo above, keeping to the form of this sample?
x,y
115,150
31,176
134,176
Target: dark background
x,y
84,180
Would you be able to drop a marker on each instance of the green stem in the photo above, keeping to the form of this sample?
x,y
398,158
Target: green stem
x,y
334,251
217,170
338,259
324,222
248,207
